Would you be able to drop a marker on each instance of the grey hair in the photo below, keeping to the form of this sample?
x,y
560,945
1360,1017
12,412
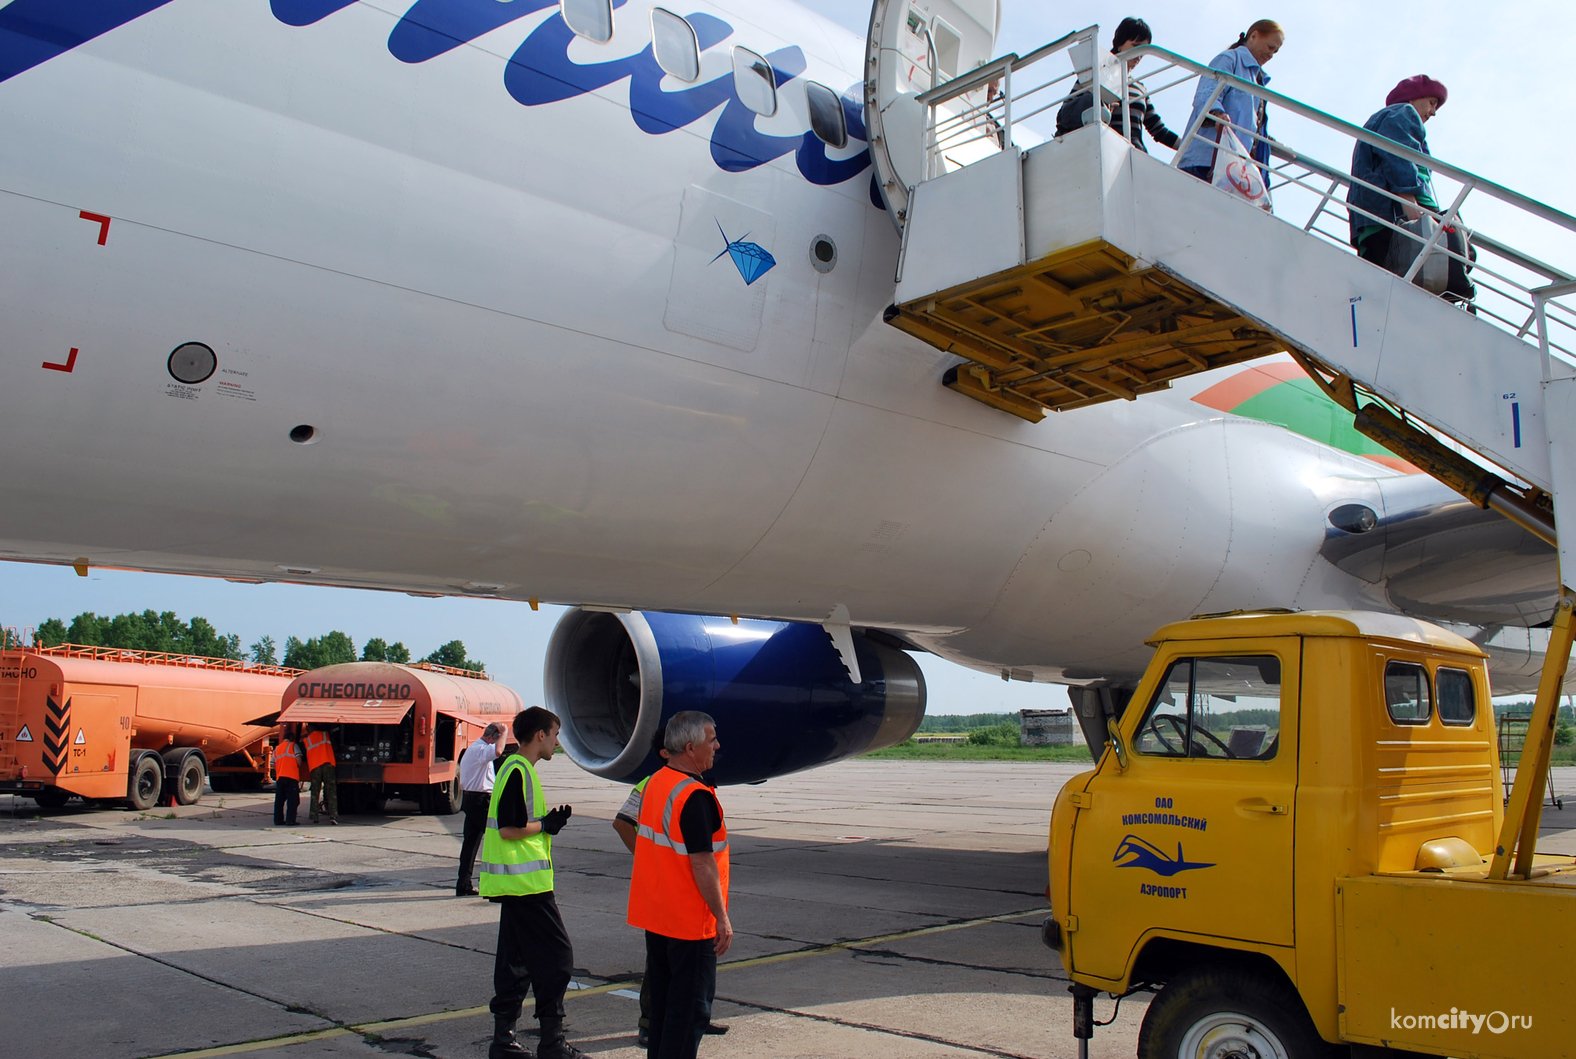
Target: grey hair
x,y
686,728
493,732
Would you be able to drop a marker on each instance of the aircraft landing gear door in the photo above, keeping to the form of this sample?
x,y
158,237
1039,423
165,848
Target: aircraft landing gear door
x,y
913,46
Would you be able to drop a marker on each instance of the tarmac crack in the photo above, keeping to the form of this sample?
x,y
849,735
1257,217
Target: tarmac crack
x,y
934,961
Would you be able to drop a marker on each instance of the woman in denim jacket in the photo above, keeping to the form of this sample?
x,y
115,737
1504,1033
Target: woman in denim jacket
x,y
1410,185
1244,59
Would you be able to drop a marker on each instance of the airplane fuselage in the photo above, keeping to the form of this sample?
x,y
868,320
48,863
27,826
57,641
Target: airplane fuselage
x,y
491,312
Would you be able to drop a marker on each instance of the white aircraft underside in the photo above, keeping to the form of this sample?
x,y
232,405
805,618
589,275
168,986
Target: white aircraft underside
x,y
469,345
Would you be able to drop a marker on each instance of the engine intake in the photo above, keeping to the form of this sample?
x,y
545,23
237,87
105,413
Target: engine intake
x,y
778,691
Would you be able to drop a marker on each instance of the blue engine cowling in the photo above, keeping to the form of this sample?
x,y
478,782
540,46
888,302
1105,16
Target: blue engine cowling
x,y
777,690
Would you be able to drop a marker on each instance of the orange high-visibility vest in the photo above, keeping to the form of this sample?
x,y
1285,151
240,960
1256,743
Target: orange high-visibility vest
x,y
287,766
663,897
319,751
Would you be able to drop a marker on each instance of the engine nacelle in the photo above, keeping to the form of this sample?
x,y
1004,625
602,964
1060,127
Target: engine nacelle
x,y
778,691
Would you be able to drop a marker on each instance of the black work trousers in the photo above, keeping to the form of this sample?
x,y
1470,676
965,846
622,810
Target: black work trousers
x,y
533,953
677,976
645,997
287,799
475,805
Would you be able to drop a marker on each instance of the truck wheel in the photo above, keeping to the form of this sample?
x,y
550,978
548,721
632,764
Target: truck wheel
x,y
1220,1012
147,780
51,798
189,779
443,799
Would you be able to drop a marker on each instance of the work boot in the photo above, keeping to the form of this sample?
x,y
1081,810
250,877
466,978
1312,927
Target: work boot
x,y
504,1043
553,1045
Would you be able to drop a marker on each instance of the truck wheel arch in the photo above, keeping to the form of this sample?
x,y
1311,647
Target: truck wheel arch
x,y
1229,1003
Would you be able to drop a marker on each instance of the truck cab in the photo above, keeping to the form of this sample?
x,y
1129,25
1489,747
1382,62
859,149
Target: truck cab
x,y
1287,835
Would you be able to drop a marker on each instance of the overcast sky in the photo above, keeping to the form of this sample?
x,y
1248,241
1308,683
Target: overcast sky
x,y
1507,119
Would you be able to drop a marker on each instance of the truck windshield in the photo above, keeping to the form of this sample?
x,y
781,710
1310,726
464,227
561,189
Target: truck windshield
x,y
1224,707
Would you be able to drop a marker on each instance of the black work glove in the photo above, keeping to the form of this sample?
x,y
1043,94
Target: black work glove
x,y
553,820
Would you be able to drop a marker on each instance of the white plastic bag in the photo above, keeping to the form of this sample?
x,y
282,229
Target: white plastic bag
x,y
1237,173
1408,241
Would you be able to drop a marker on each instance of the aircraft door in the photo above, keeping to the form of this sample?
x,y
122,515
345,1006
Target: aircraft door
x,y
914,45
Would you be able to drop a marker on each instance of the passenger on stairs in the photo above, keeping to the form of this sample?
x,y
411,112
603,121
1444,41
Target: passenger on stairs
x,y
1244,59
1079,110
1388,190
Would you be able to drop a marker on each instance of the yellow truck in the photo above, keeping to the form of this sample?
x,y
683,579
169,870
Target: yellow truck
x,y
1290,837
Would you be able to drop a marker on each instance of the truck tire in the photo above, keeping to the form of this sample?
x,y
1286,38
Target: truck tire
x,y
443,799
1213,1012
190,775
51,798
145,783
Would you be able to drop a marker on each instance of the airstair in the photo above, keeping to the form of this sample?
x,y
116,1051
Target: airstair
x,y
1068,271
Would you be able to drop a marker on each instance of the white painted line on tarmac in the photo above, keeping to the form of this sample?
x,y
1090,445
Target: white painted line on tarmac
x,y
624,988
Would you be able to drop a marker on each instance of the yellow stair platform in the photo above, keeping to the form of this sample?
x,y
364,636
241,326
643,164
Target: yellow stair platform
x,y
1082,326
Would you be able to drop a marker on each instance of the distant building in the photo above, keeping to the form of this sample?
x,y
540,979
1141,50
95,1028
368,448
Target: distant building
x,y
1047,728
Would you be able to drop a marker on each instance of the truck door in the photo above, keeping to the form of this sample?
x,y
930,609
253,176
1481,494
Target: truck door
x,y
1194,837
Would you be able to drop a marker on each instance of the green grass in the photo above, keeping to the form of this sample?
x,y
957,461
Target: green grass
x,y
912,751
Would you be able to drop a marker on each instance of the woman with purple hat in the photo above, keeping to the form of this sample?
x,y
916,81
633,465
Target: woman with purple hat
x,y
1410,185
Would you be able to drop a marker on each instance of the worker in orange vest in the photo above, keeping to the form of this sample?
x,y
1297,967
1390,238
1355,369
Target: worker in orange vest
x,y
678,890
288,768
325,786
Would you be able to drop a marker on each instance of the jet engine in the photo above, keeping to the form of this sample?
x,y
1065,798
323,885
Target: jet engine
x,y
777,690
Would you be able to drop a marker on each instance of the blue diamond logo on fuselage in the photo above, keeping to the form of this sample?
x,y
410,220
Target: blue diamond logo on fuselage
x,y
751,259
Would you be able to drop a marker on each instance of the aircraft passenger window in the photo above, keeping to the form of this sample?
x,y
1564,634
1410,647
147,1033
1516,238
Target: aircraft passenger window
x,y
1406,693
827,119
673,40
755,82
591,19
1222,708
1457,700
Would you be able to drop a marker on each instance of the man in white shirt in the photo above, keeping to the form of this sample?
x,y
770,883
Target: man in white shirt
x,y
476,780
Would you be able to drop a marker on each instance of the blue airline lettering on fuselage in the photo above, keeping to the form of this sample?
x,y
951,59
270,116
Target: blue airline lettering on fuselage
x,y
306,12
32,32
540,72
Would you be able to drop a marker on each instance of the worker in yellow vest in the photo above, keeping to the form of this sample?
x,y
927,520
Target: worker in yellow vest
x,y
517,872
289,764
678,890
325,785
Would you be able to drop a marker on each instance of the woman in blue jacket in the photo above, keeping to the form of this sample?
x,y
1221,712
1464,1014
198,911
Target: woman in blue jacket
x,y
1244,59
1410,184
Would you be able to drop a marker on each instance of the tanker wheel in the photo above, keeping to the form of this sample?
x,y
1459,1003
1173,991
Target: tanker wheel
x,y
51,798
189,779
443,799
147,780
1229,1013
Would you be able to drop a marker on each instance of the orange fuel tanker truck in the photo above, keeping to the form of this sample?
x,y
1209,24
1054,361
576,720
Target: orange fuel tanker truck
x,y
138,727
398,731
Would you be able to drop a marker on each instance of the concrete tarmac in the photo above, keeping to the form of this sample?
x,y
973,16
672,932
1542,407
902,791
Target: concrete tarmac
x,y
883,909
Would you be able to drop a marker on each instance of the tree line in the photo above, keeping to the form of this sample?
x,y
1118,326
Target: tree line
x,y
167,632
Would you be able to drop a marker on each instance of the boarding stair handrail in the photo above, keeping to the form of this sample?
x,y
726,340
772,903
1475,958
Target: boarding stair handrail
x,y
958,134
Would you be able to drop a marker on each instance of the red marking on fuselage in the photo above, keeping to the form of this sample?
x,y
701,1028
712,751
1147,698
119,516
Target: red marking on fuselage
x,y
103,223
68,366
1228,394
